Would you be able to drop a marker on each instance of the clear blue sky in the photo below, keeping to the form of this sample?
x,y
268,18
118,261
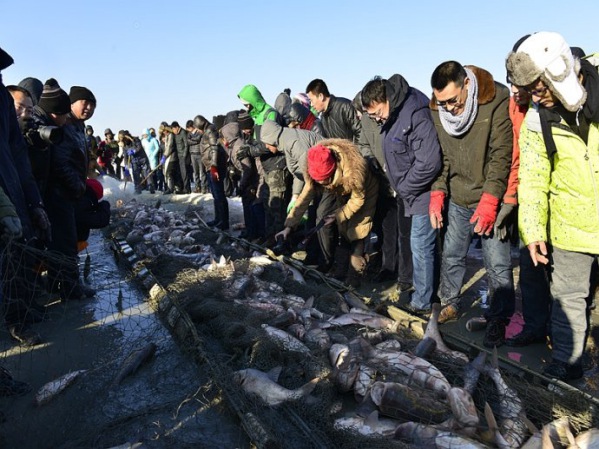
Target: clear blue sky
x,y
170,60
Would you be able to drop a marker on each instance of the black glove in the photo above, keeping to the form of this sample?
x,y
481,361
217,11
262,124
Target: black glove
x,y
42,223
243,152
11,227
503,219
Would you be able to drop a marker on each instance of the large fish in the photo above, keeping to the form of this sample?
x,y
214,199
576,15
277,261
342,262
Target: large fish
x,y
587,440
53,388
402,402
134,361
372,426
285,340
318,338
430,437
345,362
512,426
264,386
432,331
364,379
419,370
463,407
557,432
363,319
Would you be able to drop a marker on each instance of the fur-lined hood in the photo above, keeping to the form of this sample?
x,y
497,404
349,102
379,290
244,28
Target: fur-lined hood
x,y
351,167
486,87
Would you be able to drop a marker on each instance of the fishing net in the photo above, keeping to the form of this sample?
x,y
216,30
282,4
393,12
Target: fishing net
x,y
201,298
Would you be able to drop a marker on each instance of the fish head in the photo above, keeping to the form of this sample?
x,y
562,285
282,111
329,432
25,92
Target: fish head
x,y
338,353
462,406
240,376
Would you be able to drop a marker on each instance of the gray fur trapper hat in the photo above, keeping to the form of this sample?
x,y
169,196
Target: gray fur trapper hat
x,y
547,56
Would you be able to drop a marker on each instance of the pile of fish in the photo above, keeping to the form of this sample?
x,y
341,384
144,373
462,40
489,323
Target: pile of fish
x,y
400,393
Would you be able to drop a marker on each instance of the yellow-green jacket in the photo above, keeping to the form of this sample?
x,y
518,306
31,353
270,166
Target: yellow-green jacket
x,y
559,205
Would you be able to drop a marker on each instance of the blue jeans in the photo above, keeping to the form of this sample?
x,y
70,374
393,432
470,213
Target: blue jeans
x,y
496,259
570,283
423,241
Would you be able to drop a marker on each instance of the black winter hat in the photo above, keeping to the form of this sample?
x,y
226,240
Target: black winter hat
x,y
34,87
245,121
81,93
108,131
54,100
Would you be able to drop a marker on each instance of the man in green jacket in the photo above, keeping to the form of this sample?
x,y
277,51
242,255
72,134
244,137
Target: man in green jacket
x,y
559,185
470,111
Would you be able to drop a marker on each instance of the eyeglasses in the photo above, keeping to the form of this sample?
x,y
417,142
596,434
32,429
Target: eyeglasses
x,y
537,92
451,102
377,113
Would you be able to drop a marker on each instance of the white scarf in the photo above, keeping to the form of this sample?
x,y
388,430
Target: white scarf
x,y
456,125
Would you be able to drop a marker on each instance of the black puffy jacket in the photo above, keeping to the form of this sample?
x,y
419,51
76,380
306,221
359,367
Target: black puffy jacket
x,y
213,154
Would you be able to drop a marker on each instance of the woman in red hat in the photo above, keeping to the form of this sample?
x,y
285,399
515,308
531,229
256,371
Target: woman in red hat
x,y
337,166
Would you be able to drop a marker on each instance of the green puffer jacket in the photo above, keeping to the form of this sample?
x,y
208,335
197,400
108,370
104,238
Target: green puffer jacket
x,y
559,206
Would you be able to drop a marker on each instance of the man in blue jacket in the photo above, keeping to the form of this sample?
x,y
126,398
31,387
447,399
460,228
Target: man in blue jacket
x,y
413,160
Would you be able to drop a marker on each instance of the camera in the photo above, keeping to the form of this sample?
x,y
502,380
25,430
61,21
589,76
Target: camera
x,y
40,136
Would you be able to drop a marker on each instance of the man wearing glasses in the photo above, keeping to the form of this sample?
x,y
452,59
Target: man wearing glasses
x,y
412,157
558,194
471,116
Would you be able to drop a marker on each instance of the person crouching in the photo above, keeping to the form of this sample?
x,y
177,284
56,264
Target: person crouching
x,y
336,165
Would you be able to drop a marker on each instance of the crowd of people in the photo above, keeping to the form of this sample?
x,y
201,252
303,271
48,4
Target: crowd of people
x,y
425,175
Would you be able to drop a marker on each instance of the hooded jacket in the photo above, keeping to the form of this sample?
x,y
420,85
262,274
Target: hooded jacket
x,y
479,161
294,144
260,112
559,205
152,148
354,186
340,120
248,181
410,145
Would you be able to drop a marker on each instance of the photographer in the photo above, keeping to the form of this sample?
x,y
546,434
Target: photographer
x,y
19,185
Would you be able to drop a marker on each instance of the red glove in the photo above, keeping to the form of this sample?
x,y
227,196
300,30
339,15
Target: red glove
x,y
435,208
486,214
214,173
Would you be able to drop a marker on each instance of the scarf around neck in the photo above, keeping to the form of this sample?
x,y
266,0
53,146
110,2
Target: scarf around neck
x,y
456,125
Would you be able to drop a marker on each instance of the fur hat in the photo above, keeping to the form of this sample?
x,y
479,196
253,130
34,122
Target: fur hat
x,y
54,100
321,163
547,56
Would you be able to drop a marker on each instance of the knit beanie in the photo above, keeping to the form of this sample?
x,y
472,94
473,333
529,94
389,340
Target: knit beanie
x,y
34,87
54,100
96,187
245,121
321,163
81,93
546,56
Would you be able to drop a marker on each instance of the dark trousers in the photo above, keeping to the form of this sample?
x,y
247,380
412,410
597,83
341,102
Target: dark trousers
x,y
405,268
536,299
385,227
63,271
276,207
328,236
199,174
185,175
140,169
221,206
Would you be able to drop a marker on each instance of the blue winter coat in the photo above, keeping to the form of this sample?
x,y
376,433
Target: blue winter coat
x,y
410,145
